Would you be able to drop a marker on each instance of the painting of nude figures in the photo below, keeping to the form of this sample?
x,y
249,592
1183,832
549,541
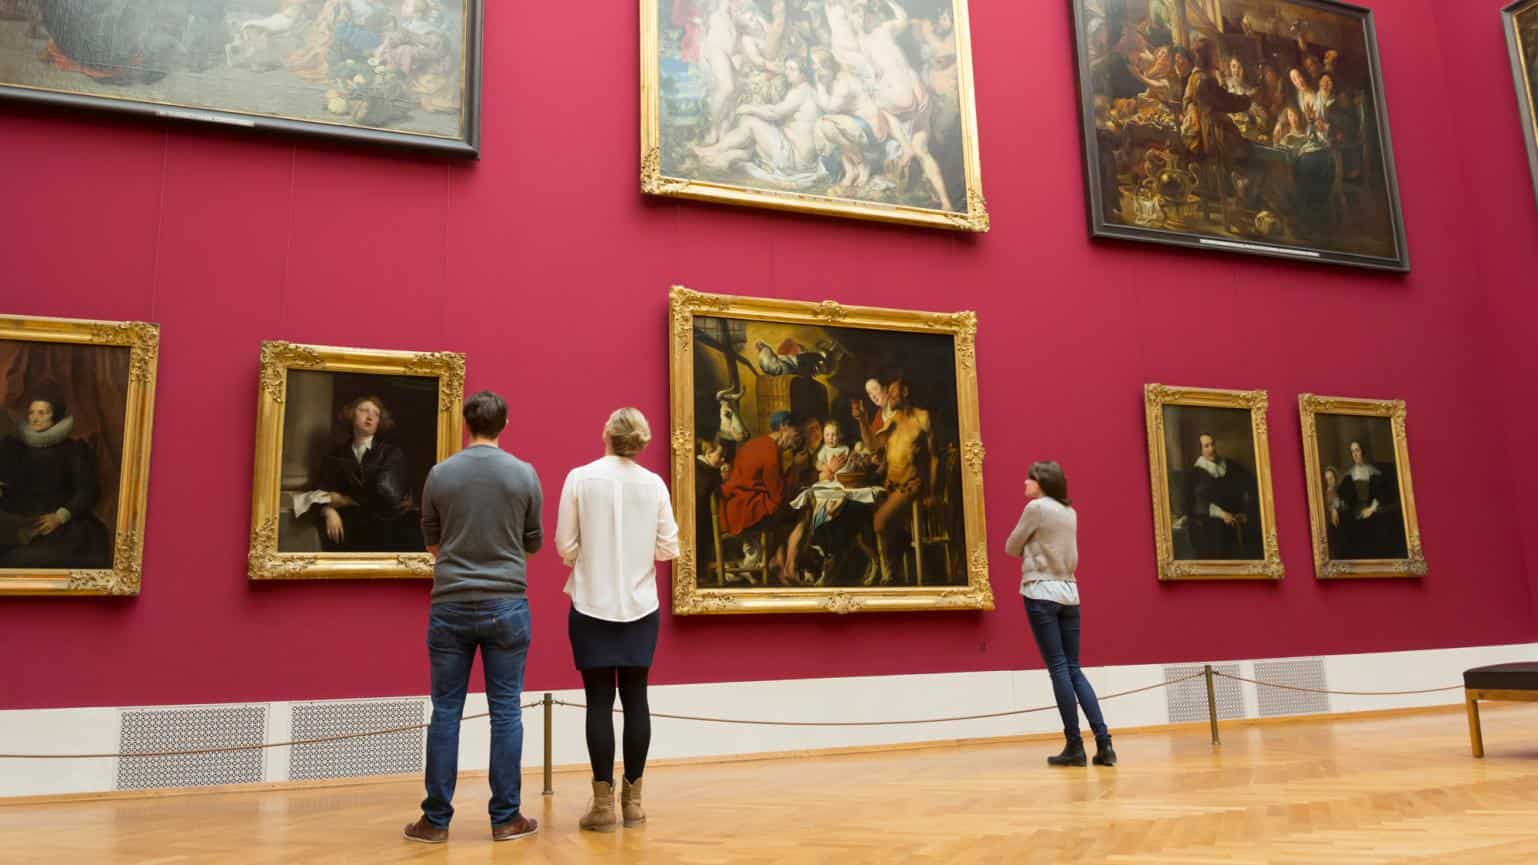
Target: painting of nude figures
x,y
395,72
859,108
1521,19
1242,126
76,402
826,458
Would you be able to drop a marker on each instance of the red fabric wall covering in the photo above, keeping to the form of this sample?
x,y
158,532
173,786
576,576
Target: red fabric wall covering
x,y
544,264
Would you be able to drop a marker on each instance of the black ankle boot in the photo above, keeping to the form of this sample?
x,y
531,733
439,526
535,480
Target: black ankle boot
x,y
1105,755
1073,754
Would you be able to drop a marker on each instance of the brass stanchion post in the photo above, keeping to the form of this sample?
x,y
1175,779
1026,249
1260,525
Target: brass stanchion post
x,y
549,735
1212,705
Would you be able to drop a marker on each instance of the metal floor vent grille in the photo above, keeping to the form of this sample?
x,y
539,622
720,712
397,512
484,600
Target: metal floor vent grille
x,y
1300,673
390,754
152,731
1188,700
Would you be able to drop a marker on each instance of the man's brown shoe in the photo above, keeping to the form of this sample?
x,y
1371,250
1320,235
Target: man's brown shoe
x,y
425,832
518,827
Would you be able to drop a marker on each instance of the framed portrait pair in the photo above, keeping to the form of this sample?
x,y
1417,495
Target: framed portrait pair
x,y
1213,496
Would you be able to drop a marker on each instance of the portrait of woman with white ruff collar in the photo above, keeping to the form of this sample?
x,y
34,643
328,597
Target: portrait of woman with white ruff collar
x,y
74,454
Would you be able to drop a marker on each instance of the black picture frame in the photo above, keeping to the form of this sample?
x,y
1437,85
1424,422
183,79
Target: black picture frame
x,y
1524,79
466,145
1103,227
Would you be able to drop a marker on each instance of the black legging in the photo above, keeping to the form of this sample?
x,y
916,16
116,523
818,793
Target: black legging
x,y
600,687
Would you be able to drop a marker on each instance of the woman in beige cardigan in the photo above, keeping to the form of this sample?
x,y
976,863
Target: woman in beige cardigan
x,y
1046,538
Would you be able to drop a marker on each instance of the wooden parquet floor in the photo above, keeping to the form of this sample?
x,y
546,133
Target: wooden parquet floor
x,y
1344,792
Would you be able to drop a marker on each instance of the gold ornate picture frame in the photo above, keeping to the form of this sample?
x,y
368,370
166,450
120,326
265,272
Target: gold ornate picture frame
x,y
931,554
718,103
1214,516
428,392
104,371
1361,511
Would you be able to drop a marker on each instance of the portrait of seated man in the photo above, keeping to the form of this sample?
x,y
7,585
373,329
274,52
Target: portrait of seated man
x,y
356,453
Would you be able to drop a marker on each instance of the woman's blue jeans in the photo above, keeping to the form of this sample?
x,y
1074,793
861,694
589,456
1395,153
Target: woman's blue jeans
x,y
1056,628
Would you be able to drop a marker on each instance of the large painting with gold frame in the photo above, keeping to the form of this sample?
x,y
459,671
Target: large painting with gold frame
x,y
1210,465
77,400
1361,504
1256,127
401,74
1521,20
344,440
858,108
826,458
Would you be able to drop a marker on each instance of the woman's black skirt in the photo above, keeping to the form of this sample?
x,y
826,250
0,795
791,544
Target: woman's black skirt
x,y
596,643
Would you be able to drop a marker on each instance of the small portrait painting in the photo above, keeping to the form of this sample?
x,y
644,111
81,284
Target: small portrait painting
x,y
1212,484
74,454
345,439
364,458
1360,501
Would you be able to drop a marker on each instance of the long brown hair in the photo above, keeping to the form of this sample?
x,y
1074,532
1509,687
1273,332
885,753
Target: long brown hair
x,y
1054,484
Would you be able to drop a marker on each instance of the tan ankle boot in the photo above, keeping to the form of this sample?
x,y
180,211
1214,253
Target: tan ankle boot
x,y
600,816
630,802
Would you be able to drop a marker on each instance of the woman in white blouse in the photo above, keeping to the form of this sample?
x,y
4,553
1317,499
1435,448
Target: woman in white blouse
x,y
616,522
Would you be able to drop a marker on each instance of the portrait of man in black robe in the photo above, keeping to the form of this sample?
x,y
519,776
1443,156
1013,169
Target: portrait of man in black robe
x,y
1222,497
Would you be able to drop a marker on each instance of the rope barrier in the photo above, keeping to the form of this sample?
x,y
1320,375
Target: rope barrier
x,y
235,748
410,727
737,721
1340,693
911,722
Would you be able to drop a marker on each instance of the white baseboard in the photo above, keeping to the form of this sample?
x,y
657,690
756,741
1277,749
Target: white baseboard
x,y
874,698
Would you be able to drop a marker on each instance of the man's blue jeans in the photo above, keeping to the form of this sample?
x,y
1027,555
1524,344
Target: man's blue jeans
x,y
501,629
1056,628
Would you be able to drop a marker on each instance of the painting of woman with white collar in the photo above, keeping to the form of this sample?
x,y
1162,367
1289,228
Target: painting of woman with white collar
x,y
1371,521
50,488
356,452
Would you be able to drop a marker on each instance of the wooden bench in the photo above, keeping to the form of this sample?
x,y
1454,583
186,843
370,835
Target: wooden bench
x,y
1517,682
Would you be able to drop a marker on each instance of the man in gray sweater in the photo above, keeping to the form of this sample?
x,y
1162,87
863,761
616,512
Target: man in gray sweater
x,y
480,519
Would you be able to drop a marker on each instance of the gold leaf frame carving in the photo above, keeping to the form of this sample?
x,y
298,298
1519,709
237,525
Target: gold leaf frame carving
x,y
264,561
143,342
1257,403
1310,406
653,182
689,598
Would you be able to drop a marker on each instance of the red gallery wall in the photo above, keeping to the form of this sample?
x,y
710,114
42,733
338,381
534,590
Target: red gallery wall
x,y
1502,218
545,265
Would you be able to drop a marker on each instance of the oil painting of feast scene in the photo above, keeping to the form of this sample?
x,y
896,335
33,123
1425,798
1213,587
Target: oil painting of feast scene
x,y
827,457
1245,125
